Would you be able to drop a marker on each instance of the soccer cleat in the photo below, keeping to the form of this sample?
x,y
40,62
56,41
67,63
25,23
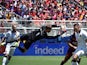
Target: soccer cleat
x,y
79,60
62,63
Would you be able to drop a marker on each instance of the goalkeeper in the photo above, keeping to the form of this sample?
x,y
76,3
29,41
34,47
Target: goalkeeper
x,y
29,38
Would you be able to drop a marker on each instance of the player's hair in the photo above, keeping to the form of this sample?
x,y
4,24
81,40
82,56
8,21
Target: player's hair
x,y
76,24
46,27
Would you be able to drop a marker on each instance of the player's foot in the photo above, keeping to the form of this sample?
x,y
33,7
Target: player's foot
x,y
61,63
22,49
78,60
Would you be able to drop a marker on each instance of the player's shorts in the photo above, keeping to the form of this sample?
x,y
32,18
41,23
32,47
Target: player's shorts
x,y
9,49
80,51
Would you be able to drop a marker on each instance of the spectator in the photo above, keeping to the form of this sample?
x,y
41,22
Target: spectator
x,y
8,15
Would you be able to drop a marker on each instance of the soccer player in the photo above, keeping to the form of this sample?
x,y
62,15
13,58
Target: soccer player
x,y
10,39
72,47
29,38
81,38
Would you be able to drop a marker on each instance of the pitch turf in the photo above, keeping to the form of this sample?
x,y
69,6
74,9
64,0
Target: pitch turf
x,y
40,60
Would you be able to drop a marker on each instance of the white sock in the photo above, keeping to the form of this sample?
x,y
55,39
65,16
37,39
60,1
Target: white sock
x,y
5,61
75,63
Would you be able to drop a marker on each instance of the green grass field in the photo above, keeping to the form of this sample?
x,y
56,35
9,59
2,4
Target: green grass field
x,y
40,60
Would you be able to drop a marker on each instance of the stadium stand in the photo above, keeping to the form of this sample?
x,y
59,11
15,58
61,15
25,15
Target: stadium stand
x,y
24,11
40,10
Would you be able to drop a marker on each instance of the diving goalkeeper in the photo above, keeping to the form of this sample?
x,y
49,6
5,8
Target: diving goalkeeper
x,y
32,37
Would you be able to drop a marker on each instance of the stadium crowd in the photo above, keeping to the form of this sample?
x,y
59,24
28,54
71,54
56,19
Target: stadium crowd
x,y
45,9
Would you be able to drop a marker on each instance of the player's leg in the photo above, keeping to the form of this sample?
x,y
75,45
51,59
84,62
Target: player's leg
x,y
74,60
27,44
79,60
23,39
67,57
6,55
28,39
76,55
11,52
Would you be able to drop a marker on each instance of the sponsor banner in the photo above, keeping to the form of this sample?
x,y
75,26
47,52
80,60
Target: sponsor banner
x,y
45,49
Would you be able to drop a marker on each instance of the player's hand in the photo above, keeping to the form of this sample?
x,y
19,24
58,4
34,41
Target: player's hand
x,y
17,43
74,47
24,41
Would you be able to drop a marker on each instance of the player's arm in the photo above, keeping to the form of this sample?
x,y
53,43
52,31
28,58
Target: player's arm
x,y
71,41
86,42
17,40
50,37
53,37
2,42
85,36
71,45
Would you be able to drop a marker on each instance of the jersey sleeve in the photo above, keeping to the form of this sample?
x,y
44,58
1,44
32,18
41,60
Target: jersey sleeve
x,y
85,34
19,34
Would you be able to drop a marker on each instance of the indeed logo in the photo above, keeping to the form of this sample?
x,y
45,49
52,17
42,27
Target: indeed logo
x,y
50,51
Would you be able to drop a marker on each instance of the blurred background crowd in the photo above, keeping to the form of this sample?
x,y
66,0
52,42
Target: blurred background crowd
x,y
63,10
44,9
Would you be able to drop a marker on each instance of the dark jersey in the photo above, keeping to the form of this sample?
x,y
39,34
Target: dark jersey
x,y
73,40
33,36
37,35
